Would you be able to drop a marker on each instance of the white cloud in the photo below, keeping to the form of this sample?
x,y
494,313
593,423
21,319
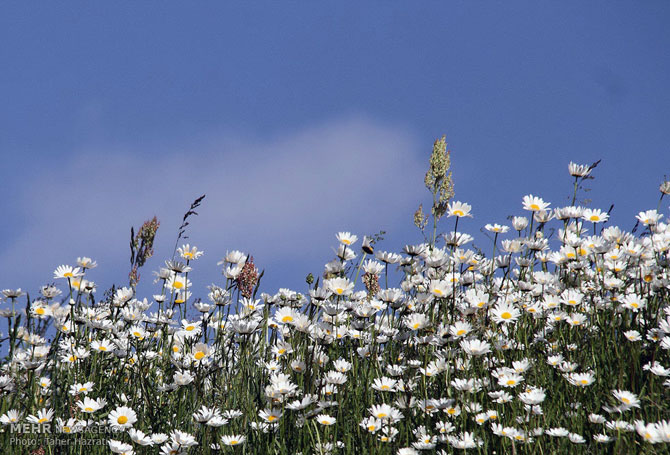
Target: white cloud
x,y
281,198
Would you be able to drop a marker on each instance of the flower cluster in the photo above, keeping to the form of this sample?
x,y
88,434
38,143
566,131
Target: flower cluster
x,y
558,342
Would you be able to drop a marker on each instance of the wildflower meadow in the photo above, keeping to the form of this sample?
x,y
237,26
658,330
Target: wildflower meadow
x,y
553,338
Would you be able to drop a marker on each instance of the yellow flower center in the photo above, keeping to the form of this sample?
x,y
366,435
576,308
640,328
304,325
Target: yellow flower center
x,y
42,420
68,274
122,420
199,355
346,241
460,332
40,311
190,328
66,429
382,415
287,319
594,218
506,315
534,207
584,381
625,400
271,418
339,291
102,348
178,285
458,212
437,292
88,409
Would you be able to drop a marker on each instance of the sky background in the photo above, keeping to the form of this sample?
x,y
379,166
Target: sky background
x,y
302,119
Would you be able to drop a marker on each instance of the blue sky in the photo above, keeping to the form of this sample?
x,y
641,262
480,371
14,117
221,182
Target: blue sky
x,y
301,119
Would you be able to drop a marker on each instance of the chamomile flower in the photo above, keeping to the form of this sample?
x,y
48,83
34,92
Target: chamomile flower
x,y
475,347
579,170
534,203
183,439
595,215
458,209
440,288
66,271
533,396
385,412
11,416
346,238
416,321
189,252
89,405
339,286
649,217
43,416
460,329
122,417
270,415
371,424
120,447
178,283
633,302
510,380
233,440
505,313
496,228
201,351
628,400
103,345
138,437
384,384
325,419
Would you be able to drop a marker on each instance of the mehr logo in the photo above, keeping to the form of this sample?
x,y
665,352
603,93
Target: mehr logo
x,y
30,428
